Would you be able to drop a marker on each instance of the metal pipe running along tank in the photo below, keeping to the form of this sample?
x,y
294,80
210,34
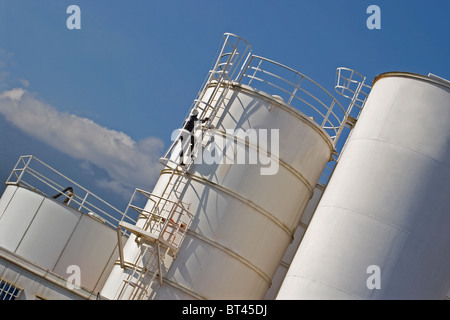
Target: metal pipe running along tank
x,y
242,214
381,229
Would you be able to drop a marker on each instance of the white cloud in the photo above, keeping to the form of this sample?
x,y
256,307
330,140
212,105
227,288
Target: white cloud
x,y
129,163
24,82
87,168
116,187
6,61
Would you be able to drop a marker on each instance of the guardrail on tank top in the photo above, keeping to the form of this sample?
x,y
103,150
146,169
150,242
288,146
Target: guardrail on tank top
x,y
33,174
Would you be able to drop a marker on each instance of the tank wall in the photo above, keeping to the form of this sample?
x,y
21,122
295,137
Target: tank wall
x,y
386,204
289,254
299,146
243,220
252,230
37,284
54,236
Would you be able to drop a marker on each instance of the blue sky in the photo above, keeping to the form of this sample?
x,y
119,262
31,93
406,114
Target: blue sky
x,y
119,86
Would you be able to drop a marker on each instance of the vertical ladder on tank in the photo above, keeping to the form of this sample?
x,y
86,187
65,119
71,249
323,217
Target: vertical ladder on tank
x,y
224,74
163,230
161,223
159,237
221,78
209,110
141,278
351,84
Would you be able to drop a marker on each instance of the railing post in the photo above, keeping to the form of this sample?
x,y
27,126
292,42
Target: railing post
x,y
295,90
24,169
256,69
244,67
82,202
325,118
350,107
13,171
158,252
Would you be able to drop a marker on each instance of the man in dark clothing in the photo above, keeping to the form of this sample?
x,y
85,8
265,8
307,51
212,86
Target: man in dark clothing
x,y
189,126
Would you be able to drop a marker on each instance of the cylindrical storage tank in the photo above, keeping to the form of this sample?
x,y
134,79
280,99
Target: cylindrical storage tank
x,y
244,217
56,237
256,165
288,256
381,229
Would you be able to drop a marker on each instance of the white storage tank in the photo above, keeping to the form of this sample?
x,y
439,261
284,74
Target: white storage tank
x,y
381,229
47,241
288,256
242,213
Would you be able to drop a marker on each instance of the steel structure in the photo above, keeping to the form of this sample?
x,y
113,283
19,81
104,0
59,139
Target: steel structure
x,y
381,228
260,198
242,215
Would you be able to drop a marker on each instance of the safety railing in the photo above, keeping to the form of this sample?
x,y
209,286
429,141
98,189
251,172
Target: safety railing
x,y
236,65
297,90
162,216
36,175
232,60
161,231
351,84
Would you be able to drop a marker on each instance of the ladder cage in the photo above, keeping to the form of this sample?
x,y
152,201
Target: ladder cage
x,y
166,218
162,221
237,65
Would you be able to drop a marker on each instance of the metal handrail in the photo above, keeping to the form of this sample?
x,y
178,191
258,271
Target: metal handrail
x,y
149,196
78,200
331,122
345,78
237,65
163,204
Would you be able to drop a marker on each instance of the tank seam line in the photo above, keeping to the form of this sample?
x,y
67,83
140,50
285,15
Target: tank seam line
x,y
290,109
294,171
231,253
246,201
393,225
323,283
183,289
404,147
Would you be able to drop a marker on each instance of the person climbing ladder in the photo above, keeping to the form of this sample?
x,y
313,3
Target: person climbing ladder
x,y
189,126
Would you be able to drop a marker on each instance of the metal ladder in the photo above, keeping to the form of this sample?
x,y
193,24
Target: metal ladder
x,y
164,229
159,239
222,78
140,279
